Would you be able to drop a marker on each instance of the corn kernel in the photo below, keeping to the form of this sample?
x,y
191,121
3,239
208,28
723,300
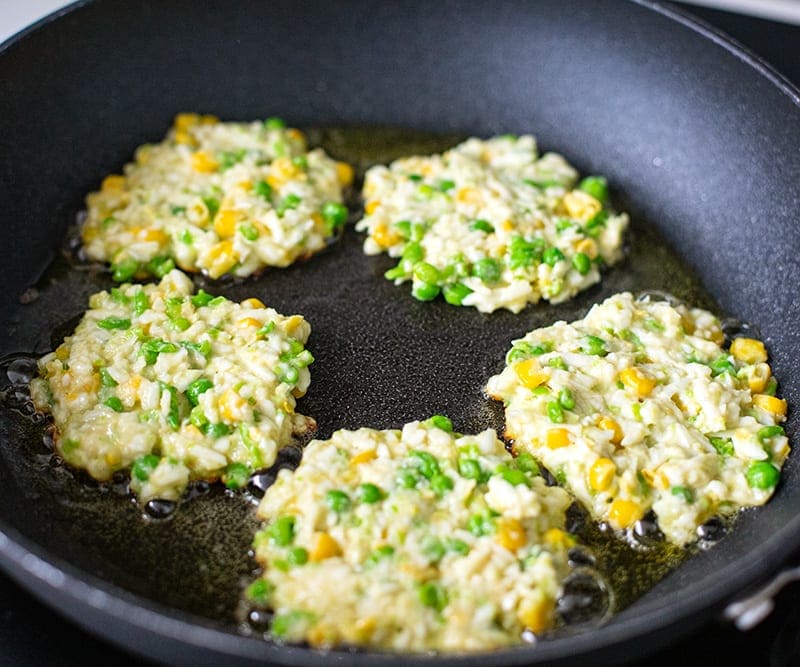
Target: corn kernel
x,y
113,458
558,538
208,119
231,405
371,206
510,534
324,547
557,438
154,236
203,162
530,373
773,404
601,474
295,135
624,513
183,137
749,350
221,258
508,225
183,121
197,213
292,323
588,247
536,616
636,381
249,322
113,182
759,377
253,303
282,170
225,222
469,195
385,237
580,205
344,172
608,424
363,457
656,479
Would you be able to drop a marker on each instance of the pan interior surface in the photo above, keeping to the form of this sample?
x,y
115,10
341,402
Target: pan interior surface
x,y
701,155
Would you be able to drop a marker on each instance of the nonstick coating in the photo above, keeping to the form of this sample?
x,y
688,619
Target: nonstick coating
x,y
700,140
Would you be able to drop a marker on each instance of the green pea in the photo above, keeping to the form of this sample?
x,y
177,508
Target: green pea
x,y
527,463
566,399
480,524
481,226
768,432
173,415
396,272
513,476
236,475
441,484
653,324
369,493
69,445
433,595
338,501
441,422
266,330
203,349
124,270
523,253
457,546
259,592
555,412
403,228
212,204
114,403
290,202
597,186
557,362
684,492
155,346
300,161
407,479
415,177
144,466
425,191
594,345
772,387
198,418
427,273
455,293
114,323
140,302
413,253
289,624
488,270
290,375
263,190
762,475
334,215
426,463
446,185
160,266
218,430
433,549
552,256
596,223
202,298
106,380
582,263
722,364
425,291
297,556
274,123
249,232
281,531
470,469
228,159
381,553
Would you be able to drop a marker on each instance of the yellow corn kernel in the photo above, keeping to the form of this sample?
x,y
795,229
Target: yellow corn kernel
x,y
113,458
581,205
363,457
62,352
245,185
292,323
113,182
510,534
624,513
288,407
282,170
468,195
537,616
295,134
636,381
209,119
197,213
249,322
508,225
203,162
183,121
324,547
154,235
385,237
371,206
252,302
608,424
231,405
656,479
361,630
225,222
530,373
558,538
588,247
221,258
773,404
344,172
557,438
759,377
601,474
183,137
749,350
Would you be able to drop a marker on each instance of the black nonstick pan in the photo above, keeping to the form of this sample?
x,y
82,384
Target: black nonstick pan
x,y
700,141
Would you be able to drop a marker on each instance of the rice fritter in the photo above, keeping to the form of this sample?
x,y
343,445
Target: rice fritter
x,y
411,540
491,224
638,406
177,386
221,198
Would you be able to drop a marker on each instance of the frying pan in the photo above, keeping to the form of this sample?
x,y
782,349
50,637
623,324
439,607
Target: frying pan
x,y
699,139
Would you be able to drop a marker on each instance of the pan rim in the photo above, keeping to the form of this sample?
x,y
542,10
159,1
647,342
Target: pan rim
x,y
20,555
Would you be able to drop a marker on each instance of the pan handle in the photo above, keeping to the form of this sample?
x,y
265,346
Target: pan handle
x,y
748,612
